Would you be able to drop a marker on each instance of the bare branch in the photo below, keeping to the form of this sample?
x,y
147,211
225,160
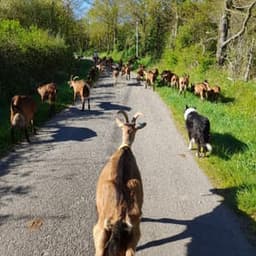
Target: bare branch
x,y
248,15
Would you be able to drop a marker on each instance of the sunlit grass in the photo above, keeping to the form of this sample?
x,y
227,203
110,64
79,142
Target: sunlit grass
x,y
233,136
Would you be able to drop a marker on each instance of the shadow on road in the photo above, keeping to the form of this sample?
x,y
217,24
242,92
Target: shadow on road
x,y
111,106
64,133
13,191
211,234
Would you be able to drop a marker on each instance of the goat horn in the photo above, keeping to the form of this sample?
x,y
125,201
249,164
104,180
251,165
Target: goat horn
x,y
124,114
136,116
75,77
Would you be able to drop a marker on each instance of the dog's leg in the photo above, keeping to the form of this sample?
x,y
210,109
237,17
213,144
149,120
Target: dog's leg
x,y
190,146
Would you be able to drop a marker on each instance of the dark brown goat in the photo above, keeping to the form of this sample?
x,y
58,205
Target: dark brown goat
x,y
119,198
22,109
166,76
213,92
82,89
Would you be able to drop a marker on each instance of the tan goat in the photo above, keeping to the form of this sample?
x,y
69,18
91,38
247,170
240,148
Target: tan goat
x,y
150,77
183,84
82,89
48,92
22,109
119,197
175,81
200,90
126,70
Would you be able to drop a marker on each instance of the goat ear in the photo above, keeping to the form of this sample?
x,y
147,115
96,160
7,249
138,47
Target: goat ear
x,y
119,122
141,125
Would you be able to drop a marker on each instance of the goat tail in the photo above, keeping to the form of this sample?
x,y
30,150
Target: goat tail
x,y
86,90
120,237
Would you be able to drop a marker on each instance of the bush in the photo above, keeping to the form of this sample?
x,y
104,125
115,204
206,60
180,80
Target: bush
x,y
29,56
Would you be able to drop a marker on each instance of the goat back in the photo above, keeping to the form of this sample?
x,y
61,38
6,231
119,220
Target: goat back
x,y
24,105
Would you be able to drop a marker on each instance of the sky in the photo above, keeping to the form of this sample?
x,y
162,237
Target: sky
x,y
83,7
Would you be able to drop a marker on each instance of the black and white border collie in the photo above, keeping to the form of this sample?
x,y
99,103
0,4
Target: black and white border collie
x,y
198,128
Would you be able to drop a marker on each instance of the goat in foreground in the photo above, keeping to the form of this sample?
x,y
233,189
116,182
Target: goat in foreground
x,y
119,197
80,88
22,109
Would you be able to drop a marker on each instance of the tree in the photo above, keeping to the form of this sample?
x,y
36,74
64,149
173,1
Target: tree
x,y
224,40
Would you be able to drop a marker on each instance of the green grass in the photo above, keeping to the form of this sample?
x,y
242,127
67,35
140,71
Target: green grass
x,y
64,98
232,165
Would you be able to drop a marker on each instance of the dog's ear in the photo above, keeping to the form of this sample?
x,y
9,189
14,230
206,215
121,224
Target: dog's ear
x,y
186,107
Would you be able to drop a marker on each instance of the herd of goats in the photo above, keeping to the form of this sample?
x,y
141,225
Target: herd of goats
x,y
119,193
23,107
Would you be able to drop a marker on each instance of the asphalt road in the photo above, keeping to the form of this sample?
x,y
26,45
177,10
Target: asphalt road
x,y
47,189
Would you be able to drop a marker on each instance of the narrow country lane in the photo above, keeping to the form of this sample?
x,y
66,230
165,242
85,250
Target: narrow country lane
x,y
47,189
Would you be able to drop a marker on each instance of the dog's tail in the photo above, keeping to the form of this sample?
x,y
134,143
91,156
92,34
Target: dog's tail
x,y
208,147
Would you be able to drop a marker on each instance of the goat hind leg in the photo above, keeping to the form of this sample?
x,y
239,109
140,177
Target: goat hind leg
x,y
131,248
83,102
100,238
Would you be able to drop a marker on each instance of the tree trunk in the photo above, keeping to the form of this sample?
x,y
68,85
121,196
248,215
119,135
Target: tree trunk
x,y
223,30
248,68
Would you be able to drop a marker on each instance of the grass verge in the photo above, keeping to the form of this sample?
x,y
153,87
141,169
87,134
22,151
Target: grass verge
x,y
232,165
64,98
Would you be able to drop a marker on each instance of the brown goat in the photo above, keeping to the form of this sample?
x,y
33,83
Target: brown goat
x,y
183,84
82,89
119,198
213,92
93,74
48,92
150,77
22,109
140,73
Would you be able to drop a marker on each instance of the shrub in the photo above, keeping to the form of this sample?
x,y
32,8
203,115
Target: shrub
x,y
29,56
